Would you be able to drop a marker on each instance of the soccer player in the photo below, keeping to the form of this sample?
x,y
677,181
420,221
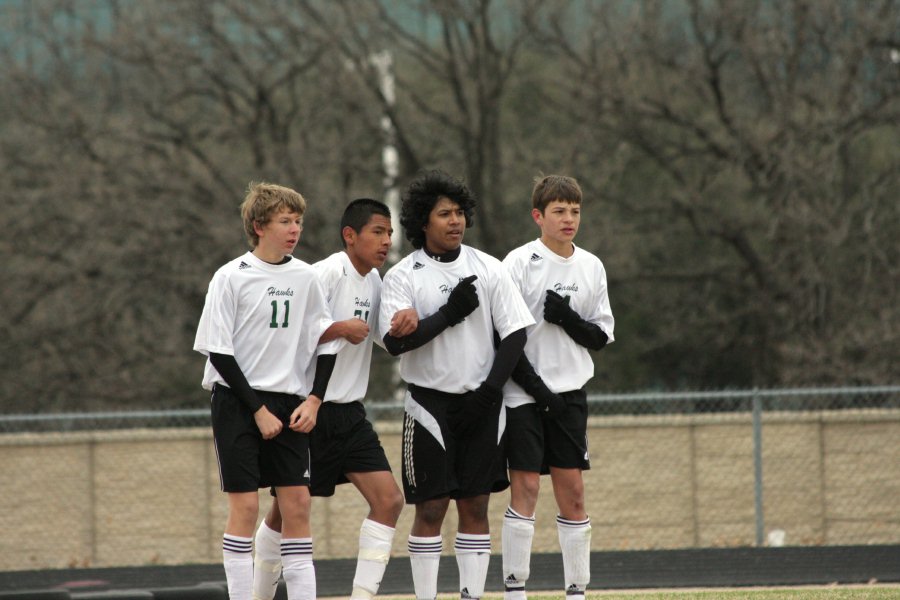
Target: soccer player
x,y
344,446
264,314
565,290
454,419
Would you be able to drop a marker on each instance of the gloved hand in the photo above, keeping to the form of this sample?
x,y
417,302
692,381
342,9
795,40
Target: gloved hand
x,y
462,301
550,404
557,309
473,410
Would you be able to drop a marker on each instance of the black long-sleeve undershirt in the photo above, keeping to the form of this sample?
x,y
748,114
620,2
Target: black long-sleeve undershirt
x,y
231,372
506,358
585,333
324,368
525,375
428,329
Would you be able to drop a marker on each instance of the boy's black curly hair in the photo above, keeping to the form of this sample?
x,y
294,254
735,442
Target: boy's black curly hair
x,y
423,193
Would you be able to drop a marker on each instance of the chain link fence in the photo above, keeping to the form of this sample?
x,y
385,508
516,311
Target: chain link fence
x,y
669,470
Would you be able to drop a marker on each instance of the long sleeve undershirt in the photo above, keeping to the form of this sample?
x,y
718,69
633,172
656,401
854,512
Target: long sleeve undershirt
x,y
231,372
428,329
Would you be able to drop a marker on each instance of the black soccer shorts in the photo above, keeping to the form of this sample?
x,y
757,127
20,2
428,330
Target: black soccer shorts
x,y
535,443
247,462
436,463
343,441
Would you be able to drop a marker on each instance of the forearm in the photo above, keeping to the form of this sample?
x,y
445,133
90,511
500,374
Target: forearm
x,y
334,331
525,375
324,368
585,333
428,329
505,359
231,372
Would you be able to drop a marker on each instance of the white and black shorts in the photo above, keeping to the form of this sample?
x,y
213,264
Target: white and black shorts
x,y
343,441
535,443
247,462
436,464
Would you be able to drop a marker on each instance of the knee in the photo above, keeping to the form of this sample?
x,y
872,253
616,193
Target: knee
x,y
431,513
387,506
526,490
473,510
571,503
394,504
243,509
294,507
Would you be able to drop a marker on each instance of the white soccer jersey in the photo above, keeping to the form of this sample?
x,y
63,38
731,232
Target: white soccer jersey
x,y
349,295
460,358
269,317
561,363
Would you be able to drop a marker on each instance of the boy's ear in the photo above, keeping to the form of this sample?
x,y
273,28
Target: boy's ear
x,y
349,234
537,215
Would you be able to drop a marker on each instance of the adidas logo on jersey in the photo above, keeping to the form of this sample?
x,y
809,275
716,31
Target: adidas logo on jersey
x,y
418,266
243,266
535,257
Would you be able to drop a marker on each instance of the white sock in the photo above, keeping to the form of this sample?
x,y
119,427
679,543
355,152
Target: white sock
x,y
238,560
575,543
473,553
424,560
374,552
267,563
298,570
518,533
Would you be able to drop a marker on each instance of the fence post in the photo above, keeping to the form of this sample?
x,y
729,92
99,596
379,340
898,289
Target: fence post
x,y
757,467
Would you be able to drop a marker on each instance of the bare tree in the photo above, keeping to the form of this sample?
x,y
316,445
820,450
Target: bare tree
x,y
142,128
456,62
740,162
766,136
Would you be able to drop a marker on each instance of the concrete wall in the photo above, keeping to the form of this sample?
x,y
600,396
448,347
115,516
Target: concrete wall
x,y
140,497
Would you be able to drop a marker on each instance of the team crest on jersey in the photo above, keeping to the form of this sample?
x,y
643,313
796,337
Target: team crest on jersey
x,y
418,266
535,257
243,266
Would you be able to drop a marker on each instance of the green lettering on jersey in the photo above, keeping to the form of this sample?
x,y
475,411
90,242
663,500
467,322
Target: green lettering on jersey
x,y
287,311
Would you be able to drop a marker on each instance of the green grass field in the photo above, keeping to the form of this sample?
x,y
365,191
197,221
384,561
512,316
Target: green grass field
x,y
873,592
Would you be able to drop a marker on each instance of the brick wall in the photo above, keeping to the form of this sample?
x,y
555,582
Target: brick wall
x,y
139,497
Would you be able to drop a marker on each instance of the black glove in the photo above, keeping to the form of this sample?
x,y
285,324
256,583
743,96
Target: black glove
x,y
557,309
462,301
585,333
471,412
550,405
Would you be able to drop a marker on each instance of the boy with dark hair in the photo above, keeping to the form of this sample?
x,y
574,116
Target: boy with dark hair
x,y
264,314
454,422
565,290
344,446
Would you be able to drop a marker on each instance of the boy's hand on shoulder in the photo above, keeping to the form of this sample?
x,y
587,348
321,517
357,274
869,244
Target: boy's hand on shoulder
x,y
557,309
303,419
269,425
404,322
